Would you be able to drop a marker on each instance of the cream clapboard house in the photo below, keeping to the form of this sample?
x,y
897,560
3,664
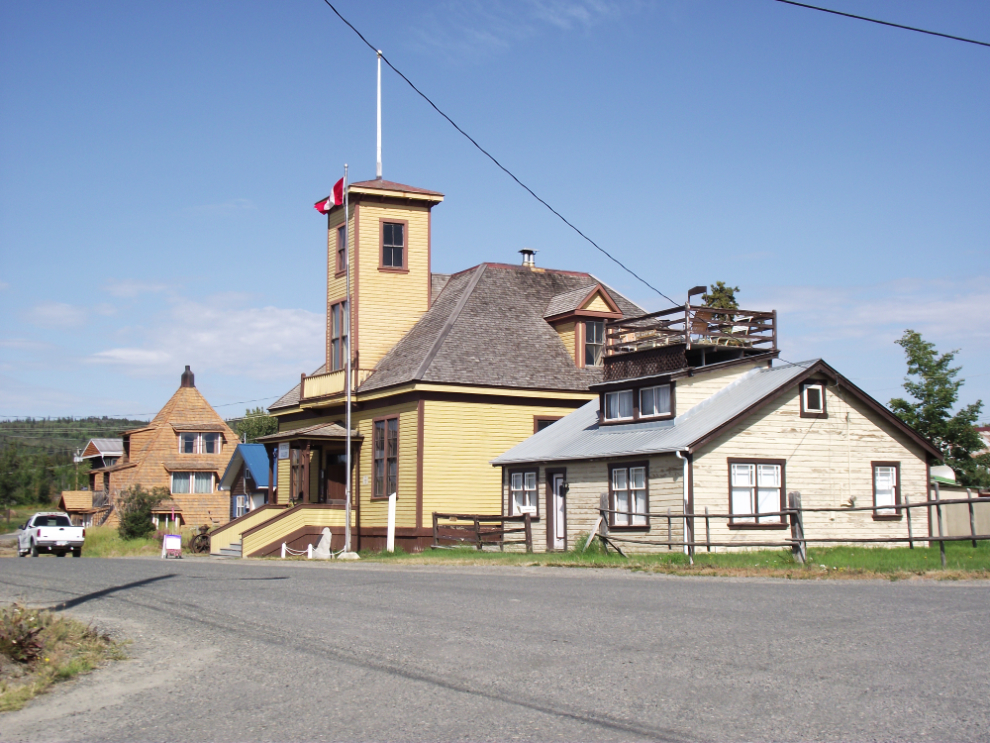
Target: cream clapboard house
x,y
695,413
448,372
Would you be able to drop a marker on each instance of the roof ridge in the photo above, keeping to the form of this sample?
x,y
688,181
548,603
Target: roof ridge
x,y
449,323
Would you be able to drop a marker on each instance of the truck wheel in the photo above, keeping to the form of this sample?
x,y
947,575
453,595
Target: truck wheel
x,y
34,550
77,552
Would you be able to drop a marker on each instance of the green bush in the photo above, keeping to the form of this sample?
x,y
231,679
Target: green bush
x,y
135,511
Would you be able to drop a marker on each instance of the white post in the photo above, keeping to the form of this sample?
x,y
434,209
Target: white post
x,y
390,539
283,550
349,379
378,171
309,551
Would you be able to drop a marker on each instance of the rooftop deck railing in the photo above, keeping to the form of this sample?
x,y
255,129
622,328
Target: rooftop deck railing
x,y
329,384
693,325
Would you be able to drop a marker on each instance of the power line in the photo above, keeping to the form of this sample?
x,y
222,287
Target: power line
x,y
883,23
487,154
122,416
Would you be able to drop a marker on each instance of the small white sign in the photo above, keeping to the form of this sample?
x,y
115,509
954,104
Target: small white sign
x,y
283,450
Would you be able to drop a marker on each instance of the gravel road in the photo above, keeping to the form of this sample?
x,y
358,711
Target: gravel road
x,y
267,651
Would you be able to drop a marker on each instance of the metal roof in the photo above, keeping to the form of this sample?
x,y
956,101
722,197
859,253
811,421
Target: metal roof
x,y
579,436
106,447
255,459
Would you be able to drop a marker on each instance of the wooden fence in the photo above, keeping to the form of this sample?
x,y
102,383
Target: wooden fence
x,y
794,515
480,531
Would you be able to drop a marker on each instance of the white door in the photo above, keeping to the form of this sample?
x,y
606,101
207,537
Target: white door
x,y
559,513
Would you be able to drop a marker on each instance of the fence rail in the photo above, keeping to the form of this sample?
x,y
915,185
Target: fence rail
x,y
481,531
792,516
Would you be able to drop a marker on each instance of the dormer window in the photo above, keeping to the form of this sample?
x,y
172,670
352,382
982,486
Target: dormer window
x,y
654,401
619,405
594,342
813,400
199,443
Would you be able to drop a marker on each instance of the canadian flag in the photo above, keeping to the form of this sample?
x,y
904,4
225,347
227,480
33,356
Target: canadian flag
x,y
335,199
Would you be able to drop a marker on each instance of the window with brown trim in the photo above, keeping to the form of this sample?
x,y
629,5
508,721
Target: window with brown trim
x,y
541,422
393,248
629,494
341,249
756,488
619,405
200,443
386,456
655,402
813,400
339,323
886,490
594,342
523,495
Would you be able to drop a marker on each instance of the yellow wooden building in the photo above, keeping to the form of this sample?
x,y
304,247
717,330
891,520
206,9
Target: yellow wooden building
x,y
449,371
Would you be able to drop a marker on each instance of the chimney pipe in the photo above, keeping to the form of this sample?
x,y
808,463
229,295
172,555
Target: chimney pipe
x,y
528,257
188,378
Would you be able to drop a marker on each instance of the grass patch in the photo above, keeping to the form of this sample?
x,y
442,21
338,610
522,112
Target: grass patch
x,y
20,514
39,648
962,561
105,541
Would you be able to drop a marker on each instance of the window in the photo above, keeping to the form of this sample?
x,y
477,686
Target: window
x,y
393,244
618,405
813,400
630,501
200,443
756,487
240,507
522,493
541,422
886,489
339,324
341,249
52,521
594,342
192,482
654,401
386,449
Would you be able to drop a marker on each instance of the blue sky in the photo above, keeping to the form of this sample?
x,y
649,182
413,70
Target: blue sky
x,y
159,162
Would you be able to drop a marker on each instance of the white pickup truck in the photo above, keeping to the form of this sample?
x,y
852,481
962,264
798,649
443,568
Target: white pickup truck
x,y
50,532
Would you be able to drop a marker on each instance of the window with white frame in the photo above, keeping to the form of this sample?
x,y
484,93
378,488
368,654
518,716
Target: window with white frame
x,y
813,400
200,443
885,488
654,401
755,489
630,499
240,507
522,493
619,405
192,482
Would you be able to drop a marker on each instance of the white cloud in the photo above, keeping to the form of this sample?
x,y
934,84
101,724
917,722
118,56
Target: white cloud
x,y
56,315
130,288
220,335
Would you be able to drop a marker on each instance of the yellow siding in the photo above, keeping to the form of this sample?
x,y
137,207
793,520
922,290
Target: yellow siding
x,y
827,461
390,303
692,390
296,519
566,332
596,304
226,537
375,512
460,440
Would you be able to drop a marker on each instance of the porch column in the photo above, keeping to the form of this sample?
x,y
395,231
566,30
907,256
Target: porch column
x,y
305,474
270,449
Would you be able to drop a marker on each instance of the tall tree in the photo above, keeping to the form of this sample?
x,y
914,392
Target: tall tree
x,y
933,385
255,423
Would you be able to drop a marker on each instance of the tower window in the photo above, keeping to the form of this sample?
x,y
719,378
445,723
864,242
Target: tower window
x,y
341,249
393,245
339,324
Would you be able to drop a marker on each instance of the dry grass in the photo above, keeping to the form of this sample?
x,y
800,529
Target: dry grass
x,y
39,648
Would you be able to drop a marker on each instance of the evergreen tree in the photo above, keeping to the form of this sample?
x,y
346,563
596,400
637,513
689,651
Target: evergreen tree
x,y
722,297
932,383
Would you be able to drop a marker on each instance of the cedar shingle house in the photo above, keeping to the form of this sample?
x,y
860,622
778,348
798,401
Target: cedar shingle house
x,y
448,372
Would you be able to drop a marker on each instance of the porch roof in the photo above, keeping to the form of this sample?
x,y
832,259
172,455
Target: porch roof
x,y
321,431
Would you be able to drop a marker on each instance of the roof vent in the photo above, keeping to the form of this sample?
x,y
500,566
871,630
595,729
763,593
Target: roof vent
x,y
529,257
188,378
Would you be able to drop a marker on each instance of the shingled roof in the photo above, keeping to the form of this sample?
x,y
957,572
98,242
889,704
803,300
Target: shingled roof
x,y
486,328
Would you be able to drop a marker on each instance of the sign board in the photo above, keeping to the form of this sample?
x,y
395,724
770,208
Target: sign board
x,y
283,450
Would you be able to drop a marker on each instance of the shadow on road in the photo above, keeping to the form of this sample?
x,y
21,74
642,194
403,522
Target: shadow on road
x,y
107,591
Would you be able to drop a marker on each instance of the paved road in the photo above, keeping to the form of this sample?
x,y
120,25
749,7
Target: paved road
x,y
259,651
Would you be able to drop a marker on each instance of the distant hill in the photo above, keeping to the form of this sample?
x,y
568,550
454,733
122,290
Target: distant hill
x,y
61,436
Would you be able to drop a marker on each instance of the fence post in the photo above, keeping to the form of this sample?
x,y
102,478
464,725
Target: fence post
x,y
800,548
670,536
689,529
972,519
309,551
283,550
436,530
529,533
938,510
708,531
907,510
477,531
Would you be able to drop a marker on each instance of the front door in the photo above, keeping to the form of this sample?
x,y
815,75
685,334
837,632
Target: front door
x,y
558,510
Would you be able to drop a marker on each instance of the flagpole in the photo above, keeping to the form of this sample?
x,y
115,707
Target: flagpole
x,y
379,169
347,350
